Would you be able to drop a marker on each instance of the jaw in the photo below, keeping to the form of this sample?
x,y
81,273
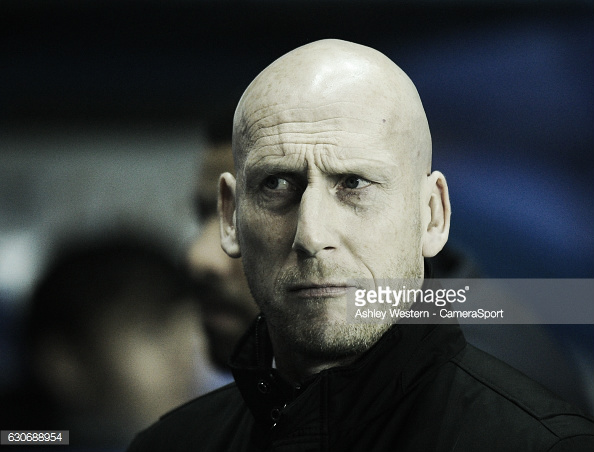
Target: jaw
x,y
298,356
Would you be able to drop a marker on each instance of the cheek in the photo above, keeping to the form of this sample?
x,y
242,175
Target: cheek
x,y
262,234
388,239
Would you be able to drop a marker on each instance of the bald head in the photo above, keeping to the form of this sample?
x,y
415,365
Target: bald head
x,y
332,77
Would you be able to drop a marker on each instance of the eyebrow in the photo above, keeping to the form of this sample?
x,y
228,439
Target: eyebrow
x,y
375,170
254,172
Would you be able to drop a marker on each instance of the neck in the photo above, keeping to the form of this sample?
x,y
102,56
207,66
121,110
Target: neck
x,y
295,367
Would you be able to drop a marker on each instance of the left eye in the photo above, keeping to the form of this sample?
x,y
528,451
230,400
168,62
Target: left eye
x,y
352,182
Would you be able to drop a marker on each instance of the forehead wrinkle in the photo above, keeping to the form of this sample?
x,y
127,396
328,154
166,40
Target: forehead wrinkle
x,y
322,143
291,137
328,144
293,131
333,117
318,114
281,128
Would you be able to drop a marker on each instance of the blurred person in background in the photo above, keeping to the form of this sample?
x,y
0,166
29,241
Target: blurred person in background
x,y
226,305
113,340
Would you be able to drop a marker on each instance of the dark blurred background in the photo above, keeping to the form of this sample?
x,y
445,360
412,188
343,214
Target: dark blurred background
x,y
102,105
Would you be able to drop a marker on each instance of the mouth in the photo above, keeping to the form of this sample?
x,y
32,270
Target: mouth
x,y
311,290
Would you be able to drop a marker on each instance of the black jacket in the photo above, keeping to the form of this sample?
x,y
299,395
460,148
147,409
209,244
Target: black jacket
x,y
420,388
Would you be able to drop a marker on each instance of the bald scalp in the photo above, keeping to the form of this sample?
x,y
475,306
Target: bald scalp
x,y
328,74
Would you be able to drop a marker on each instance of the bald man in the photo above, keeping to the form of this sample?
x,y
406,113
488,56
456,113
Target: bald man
x,y
334,185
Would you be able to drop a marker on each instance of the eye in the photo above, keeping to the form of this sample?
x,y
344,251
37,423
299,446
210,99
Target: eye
x,y
276,183
354,182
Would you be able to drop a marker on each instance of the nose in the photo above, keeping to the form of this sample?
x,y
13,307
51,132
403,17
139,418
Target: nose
x,y
206,257
315,223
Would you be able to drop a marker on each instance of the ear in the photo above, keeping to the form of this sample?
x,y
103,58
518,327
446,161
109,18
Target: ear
x,y
227,207
437,217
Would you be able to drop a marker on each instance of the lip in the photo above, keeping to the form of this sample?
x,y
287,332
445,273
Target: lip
x,y
328,290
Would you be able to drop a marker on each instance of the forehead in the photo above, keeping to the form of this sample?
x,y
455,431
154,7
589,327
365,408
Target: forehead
x,y
336,136
326,117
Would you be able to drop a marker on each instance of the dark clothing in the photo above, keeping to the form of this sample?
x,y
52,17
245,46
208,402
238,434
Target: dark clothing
x,y
420,388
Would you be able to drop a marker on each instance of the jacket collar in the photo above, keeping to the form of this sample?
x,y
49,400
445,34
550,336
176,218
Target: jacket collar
x,y
406,356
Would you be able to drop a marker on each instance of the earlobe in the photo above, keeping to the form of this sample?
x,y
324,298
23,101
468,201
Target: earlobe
x,y
437,222
226,207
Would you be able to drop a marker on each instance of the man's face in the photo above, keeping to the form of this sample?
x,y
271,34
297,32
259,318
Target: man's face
x,y
326,194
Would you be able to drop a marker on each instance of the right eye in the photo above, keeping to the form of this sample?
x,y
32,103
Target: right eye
x,y
276,183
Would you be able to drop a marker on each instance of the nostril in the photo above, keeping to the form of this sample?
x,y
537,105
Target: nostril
x,y
300,249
